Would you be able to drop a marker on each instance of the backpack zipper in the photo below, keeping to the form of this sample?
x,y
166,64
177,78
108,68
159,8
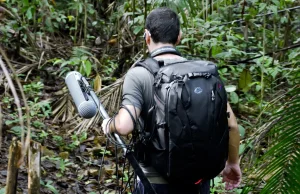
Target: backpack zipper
x,y
213,96
168,88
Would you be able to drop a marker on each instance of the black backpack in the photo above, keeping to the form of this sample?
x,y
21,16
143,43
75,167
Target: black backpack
x,y
187,127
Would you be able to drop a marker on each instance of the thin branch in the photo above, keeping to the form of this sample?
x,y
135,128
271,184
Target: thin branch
x,y
0,127
28,33
252,58
260,15
13,91
270,53
17,101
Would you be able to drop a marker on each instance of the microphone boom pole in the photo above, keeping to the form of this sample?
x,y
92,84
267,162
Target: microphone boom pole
x,y
118,138
130,157
87,103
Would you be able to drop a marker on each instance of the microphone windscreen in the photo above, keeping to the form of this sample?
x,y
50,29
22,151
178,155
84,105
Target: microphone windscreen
x,y
85,104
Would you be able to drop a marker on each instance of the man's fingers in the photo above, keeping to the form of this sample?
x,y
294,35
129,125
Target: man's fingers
x,y
231,184
228,186
225,179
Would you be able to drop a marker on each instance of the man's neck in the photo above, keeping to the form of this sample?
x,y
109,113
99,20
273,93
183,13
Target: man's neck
x,y
152,47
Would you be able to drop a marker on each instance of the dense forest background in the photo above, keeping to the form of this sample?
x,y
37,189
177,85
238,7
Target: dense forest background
x,y
255,43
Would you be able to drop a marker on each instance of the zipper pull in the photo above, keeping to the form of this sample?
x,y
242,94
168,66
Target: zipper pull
x,y
212,95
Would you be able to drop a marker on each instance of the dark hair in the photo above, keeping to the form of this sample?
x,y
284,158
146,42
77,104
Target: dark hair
x,y
163,25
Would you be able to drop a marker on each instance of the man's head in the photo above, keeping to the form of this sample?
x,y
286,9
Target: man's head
x,y
163,27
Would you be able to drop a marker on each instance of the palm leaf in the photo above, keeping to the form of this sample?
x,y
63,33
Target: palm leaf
x,y
279,167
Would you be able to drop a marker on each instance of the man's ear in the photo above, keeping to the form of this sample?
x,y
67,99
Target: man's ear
x,y
179,37
147,37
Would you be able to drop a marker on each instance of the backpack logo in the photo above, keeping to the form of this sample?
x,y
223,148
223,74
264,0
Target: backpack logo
x,y
219,86
198,90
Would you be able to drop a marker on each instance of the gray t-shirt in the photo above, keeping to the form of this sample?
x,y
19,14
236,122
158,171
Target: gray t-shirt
x,y
138,91
138,87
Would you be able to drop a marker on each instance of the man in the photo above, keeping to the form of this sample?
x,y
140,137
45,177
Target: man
x,y
163,31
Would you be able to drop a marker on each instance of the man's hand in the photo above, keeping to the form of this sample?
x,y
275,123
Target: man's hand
x,y
232,176
105,126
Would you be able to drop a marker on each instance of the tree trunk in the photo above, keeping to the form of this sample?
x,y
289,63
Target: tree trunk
x,y
12,169
34,168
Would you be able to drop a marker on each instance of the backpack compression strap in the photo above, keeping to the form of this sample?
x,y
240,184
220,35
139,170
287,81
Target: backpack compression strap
x,y
150,64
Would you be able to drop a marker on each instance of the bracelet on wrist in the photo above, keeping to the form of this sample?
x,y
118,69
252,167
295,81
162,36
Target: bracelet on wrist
x,y
112,126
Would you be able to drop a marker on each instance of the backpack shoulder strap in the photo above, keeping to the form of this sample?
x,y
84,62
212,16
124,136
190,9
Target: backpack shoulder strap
x,y
150,64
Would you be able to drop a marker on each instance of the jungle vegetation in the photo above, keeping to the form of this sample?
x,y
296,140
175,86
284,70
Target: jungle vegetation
x,y
255,43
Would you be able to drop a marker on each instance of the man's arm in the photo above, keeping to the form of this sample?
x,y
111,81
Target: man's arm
x,y
232,173
123,123
132,96
234,137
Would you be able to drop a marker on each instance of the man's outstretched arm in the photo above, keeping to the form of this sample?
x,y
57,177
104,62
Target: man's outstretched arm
x,y
132,101
232,173
123,123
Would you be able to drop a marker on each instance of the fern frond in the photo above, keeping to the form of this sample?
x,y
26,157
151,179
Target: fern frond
x,y
280,165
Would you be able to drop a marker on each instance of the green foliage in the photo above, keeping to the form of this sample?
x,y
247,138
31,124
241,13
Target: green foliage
x,y
2,191
58,140
234,98
48,17
80,61
59,36
43,135
33,89
77,139
109,67
49,186
217,186
39,110
279,167
104,151
63,164
245,80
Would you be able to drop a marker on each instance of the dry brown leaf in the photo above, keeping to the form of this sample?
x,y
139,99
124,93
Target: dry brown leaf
x,y
64,155
110,171
47,152
112,41
93,171
97,83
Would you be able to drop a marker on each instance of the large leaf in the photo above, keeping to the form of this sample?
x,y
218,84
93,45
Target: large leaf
x,y
279,167
2,191
230,88
88,67
245,80
234,98
242,131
